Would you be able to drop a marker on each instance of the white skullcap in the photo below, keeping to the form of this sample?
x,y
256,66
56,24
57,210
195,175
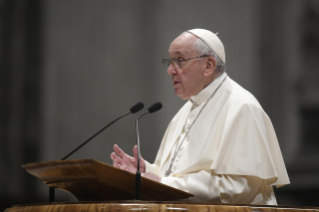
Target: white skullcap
x,y
211,40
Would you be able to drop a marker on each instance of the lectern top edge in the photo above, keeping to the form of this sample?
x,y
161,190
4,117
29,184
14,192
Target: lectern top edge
x,y
93,180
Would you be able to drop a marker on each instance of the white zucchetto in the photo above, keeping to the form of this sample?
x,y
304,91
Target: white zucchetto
x,y
211,40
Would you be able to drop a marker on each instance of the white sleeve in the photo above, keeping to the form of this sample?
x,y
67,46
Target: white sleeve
x,y
219,188
151,167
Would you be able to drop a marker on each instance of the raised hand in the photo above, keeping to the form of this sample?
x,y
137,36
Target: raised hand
x,y
152,176
126,162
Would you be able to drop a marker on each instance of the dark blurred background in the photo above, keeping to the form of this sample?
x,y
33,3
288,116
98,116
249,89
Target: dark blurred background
x,y
68,67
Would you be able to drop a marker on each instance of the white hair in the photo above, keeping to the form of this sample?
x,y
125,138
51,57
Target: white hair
x,y
204,49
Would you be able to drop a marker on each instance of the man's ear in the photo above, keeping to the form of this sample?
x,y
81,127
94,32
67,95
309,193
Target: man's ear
x,y
210,66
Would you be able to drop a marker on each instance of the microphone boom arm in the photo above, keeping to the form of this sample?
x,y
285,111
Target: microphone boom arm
x,y
93,136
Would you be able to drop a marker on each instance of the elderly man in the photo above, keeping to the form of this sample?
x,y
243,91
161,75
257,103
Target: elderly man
x,y
221,145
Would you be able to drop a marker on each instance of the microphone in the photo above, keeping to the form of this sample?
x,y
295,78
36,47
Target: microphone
x,y
153,108
137,107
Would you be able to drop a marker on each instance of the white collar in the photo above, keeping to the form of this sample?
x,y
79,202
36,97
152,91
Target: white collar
x,y
204,94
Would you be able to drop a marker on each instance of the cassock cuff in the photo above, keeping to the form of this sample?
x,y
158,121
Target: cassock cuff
x,y
151,168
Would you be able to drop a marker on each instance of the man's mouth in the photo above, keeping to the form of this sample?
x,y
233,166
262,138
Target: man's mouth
x,y
175,82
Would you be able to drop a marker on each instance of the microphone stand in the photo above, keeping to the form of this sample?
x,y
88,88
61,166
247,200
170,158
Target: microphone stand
x,y
51,194
138,183
137,107
52,189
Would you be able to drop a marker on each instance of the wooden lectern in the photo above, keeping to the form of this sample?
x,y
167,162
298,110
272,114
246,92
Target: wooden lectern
x,y
145,206
92,180
95,183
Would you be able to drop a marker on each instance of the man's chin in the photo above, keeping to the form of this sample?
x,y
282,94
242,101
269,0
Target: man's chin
x,y
180,95
184,98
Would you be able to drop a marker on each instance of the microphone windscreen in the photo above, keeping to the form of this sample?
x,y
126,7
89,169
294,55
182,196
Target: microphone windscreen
x,y
155,107
137,107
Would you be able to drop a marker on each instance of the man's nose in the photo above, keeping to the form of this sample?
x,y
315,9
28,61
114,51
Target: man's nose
x,y
171,70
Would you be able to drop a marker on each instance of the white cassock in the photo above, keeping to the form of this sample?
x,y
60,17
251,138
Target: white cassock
x,y
230,154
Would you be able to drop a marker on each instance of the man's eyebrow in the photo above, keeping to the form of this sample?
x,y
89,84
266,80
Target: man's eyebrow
x,y
178,52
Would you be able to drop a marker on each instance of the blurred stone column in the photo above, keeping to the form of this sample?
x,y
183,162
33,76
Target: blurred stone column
x,y
20,98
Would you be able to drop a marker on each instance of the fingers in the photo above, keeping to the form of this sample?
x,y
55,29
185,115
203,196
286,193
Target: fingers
x,y
135,153
119,151
142,162
117,162
115,157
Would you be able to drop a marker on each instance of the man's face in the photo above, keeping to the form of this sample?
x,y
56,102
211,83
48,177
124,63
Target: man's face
x,y
189,79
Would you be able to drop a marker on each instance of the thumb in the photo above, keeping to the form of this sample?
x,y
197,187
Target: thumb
x,y
135,153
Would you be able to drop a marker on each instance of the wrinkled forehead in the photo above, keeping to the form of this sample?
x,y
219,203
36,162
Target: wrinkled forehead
x,y
183,45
